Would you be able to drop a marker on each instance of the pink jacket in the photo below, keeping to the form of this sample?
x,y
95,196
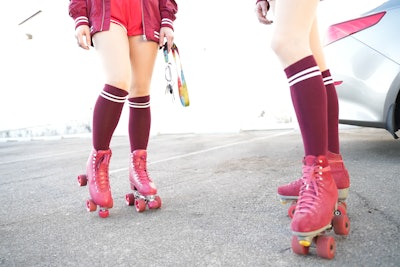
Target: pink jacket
x,y
96,14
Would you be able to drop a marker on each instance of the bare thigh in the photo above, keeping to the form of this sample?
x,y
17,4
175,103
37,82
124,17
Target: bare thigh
x,y
142,57
293,24
113,49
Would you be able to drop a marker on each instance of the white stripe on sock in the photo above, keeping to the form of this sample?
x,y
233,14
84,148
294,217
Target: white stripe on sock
x,y
304,77
113,98
139,105
328,80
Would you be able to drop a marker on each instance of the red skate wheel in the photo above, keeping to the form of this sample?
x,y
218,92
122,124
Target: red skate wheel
x,y
297,248
341,224
82,180
90,205
155,204
341,209
130,199
140,205
326,246
291,210
103,213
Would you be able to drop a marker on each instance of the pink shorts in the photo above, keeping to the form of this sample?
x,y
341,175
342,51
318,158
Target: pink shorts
x,y
127,14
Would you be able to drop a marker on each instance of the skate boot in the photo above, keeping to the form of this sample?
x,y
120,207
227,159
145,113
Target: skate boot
x,y
98,179
144,190
315,209
290,192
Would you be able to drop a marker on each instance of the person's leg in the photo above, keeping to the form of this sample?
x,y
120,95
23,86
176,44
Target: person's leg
x,y
143,55
290,192
113,49
291,43
338,169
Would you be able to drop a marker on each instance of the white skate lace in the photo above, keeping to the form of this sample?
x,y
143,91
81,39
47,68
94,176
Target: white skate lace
x,y
309,192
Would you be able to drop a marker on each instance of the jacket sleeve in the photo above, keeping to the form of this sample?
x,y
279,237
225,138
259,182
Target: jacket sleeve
x,y
78,12
168,10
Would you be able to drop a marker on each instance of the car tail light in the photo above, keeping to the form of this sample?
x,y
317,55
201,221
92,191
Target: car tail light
x,y
341,30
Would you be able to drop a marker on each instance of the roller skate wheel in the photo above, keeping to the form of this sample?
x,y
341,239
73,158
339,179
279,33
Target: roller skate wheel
x,y
82,180
291,210
140,205
155,204
90,205
341,209
104,213
297,248
326,247
341,224
130,199
343,204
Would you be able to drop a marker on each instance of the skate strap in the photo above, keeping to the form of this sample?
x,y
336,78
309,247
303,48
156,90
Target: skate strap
x,y
181,81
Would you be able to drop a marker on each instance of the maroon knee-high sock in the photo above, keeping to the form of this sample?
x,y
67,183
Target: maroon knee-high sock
x,y
106,114
139,122
309,101
333,113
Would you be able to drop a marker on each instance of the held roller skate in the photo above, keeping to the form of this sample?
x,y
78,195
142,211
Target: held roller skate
x,y
315,211
144,190
290,192
98,179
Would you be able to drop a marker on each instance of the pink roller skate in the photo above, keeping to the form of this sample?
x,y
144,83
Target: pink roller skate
x,y
99,185
290,192
315,209
144,190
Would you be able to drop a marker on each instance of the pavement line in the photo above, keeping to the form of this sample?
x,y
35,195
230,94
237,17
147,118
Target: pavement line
x,y
207,150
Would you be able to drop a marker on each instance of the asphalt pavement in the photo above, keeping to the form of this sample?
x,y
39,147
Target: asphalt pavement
x,y
219,202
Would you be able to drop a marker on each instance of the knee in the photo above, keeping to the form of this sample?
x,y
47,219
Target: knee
x,y
140,89
280,45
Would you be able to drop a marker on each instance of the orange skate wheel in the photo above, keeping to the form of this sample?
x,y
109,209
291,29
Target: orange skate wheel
x,y
130,199
82,180
297,248
90,205
140,204
103,213
291,210
341,224
326,246
155,204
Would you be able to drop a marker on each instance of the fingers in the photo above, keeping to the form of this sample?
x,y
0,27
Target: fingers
x,y
83,37
261,12
168,34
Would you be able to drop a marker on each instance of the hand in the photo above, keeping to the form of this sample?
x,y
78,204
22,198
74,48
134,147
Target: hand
x,y
261,12
82,35
167,33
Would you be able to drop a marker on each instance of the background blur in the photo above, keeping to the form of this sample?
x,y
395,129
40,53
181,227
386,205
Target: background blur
x,y
49,85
